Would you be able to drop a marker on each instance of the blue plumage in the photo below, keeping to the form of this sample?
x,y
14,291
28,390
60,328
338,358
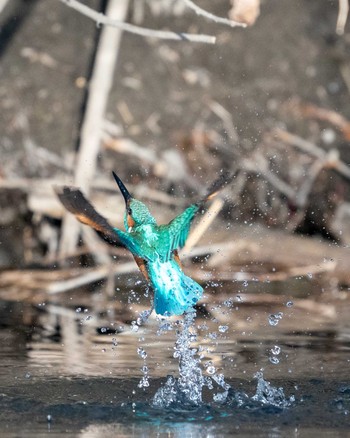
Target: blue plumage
x,y
174,292
153,246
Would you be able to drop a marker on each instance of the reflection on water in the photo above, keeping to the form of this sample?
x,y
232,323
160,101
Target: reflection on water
x,y
239,340
295,340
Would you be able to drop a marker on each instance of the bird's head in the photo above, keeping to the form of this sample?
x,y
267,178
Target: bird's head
x,y
136,212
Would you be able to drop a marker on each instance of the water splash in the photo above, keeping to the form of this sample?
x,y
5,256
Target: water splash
x,y
266,395
186,390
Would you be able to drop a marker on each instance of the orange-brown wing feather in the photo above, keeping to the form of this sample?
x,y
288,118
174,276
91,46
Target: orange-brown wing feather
x,y
142,266
75,202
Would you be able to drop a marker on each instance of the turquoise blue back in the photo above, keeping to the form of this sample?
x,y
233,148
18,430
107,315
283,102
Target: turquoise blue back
x,y
174,292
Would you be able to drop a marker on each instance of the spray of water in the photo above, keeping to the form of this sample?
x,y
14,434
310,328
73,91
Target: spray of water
x,y
186,390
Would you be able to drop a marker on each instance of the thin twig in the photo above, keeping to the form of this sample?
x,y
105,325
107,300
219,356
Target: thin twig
x,y
203,13
342,16
100,19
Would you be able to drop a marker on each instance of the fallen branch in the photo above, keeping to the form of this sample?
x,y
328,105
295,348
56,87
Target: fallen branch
x,y
90,276
100,19
296,271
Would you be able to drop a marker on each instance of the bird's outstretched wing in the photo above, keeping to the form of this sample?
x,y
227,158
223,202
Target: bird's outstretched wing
x,y
76,203
217,185
177,230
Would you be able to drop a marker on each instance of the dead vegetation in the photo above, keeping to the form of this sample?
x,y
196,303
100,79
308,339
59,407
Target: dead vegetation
x,y
285,183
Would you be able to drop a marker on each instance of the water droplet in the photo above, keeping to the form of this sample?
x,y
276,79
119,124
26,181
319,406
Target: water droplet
x,y
223,328
144,383
228,303
289,303
134,327
49,418
309,274
141,352
211,369
276,350
274,319
27,375
78,310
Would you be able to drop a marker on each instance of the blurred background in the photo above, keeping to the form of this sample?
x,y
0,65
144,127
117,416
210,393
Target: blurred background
x,y
268,102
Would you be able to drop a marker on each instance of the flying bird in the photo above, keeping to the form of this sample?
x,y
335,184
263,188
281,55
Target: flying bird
x,y
154,247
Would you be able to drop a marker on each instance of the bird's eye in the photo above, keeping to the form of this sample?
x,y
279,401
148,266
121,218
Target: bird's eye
x,y
129,211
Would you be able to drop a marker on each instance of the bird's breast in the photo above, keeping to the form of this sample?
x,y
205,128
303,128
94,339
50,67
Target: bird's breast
x,y
164,274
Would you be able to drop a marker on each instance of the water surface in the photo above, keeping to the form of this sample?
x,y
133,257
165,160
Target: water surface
x,y
93,371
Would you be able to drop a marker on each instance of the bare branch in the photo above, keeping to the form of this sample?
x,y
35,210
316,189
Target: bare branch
x,y
332,161
212,17
100,19
260,167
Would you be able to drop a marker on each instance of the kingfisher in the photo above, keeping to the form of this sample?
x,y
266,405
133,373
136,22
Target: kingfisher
x,y
154,247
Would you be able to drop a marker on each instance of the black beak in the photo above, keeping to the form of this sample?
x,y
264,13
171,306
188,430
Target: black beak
x,y
122,188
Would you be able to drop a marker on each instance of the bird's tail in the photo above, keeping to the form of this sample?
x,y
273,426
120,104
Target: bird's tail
x,y
174,292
